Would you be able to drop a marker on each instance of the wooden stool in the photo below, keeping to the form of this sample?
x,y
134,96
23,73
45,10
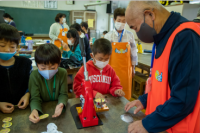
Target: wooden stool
x,y
140,79
144,68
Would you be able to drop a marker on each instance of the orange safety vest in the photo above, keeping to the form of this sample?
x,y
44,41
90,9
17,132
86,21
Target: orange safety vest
x,y
64,38
120,61
160,91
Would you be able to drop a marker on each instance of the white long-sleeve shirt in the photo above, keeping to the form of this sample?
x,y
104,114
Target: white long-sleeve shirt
x,y
55,30
128,36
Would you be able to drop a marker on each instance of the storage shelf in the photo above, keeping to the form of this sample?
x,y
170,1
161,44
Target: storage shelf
x,y
84,15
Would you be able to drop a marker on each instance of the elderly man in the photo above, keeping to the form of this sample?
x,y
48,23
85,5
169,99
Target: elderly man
x,y
173,100
197,19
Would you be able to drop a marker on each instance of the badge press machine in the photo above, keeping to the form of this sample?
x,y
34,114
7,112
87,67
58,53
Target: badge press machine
x,y
87,113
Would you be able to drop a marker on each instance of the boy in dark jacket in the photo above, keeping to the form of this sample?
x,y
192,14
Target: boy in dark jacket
x,y
14,71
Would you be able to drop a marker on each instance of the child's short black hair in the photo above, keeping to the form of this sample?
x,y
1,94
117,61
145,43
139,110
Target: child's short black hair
x,y
6,15
9,33
84,24
119,12
102,46
76,26
105,32
47,54
58,16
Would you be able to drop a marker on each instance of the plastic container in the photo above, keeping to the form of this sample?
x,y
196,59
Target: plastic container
x,y
93,40
140,48
23,41
29,44
48,41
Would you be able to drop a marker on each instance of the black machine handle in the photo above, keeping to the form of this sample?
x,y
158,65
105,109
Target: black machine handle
x,y
82,47
83,54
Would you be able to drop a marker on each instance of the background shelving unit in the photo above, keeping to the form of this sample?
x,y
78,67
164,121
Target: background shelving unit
x,y
84,15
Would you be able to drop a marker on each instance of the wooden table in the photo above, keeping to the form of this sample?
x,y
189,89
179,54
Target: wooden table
x,y
40,36
112,122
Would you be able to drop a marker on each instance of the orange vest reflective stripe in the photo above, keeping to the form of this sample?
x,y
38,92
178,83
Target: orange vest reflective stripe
x,y
160,91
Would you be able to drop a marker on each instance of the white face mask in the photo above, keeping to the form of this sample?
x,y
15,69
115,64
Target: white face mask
x,y
70,42
64,20
119,26
6,20
101,64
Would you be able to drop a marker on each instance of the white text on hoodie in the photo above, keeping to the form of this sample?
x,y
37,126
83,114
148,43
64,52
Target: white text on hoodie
x,y
100,78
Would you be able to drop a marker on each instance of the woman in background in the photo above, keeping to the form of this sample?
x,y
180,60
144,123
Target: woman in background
x,y
84,27
58,30
8,19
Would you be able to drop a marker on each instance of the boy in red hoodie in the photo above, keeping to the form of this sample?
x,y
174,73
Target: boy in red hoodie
x,y
101,75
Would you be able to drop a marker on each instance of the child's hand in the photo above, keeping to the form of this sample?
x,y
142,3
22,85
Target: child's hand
x,y
99,95
34,117
119,92
58,110
65,46
60,39
6,107
24,100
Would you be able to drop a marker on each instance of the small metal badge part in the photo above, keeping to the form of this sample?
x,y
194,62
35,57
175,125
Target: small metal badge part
x,y
127,118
